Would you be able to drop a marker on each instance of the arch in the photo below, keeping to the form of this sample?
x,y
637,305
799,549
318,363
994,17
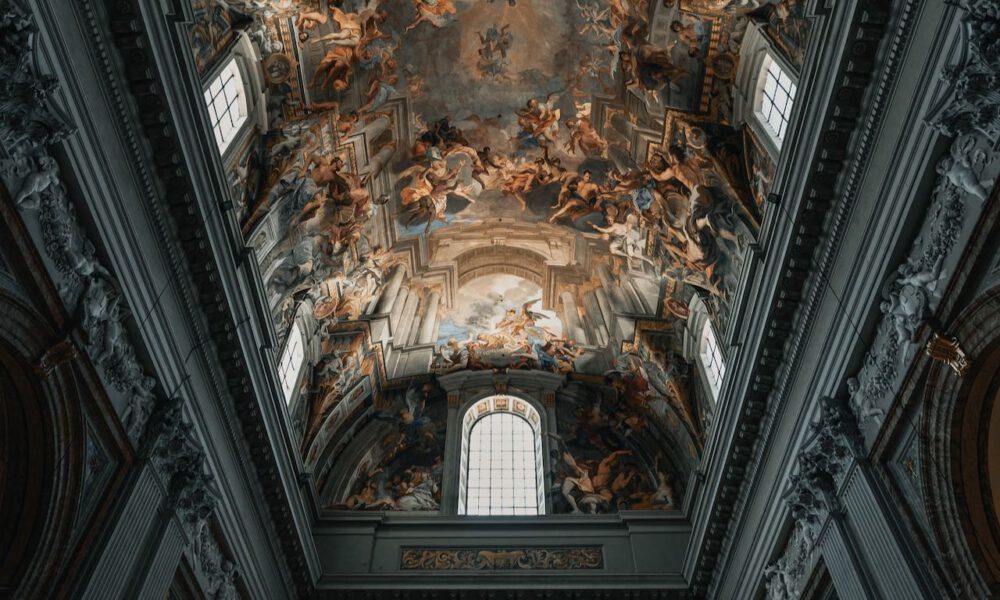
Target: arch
x,y
493,260
501,458
959,481
42,450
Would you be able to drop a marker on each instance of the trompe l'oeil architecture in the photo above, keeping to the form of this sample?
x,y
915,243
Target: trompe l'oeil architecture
x,y
499,299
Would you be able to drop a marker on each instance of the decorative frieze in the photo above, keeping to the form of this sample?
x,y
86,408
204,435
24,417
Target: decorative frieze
x,y
502,559
90,293
180,462
971,114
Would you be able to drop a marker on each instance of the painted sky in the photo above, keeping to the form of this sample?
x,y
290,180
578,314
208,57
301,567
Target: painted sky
x,y
482,302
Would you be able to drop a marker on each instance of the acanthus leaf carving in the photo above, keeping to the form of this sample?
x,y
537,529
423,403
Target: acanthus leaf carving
x,y
824,459
180,461
218,573
966,175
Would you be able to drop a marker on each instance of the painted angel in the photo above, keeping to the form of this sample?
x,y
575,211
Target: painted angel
x,y
436,12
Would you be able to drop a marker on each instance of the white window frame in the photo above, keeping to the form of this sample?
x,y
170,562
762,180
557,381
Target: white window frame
x,y
292,359
774,99
524,465
713,362
226,102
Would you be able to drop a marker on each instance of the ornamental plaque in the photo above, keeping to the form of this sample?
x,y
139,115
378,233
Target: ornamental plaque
x,y
502,559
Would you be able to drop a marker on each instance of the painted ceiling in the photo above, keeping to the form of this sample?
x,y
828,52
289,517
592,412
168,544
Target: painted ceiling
x,y
557,182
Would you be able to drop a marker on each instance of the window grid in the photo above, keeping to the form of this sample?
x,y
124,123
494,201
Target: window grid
x,y
777,97
502,467
291,362
226,107
712,360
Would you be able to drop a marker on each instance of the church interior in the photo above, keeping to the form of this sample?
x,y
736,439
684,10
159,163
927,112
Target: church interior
x,y
499,299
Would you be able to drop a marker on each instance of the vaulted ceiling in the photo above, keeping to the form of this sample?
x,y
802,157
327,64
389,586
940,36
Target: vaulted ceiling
x,y
511,184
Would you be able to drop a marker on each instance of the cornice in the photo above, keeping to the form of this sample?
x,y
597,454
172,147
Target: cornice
x,y
169,185
803,270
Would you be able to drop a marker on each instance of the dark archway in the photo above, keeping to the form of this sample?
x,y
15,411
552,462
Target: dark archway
x,y
52,409
961,467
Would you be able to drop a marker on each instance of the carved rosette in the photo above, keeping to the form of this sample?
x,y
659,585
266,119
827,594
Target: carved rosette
x,y
502,559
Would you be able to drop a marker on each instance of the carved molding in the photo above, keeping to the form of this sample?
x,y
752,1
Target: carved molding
x,y
970,113
502,559
217,573
834,442
795,299
91,294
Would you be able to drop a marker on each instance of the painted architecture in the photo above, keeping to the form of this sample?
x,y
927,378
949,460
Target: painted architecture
x,y
499,299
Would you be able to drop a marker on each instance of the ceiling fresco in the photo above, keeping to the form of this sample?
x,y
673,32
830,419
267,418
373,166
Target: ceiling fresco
x,y
435,186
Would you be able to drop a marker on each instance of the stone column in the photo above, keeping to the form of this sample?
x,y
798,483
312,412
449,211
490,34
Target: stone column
x,y
126,551
402,334
595,319
574,327
381,159
376,127
390,289
880,553
453,452
841,558
604,303
426,335
397,309
619,302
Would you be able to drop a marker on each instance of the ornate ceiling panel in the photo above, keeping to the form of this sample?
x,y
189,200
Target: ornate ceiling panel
x,y
438,186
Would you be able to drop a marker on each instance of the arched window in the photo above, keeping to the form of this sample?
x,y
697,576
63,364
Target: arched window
x,y
501,466
227,104
291,361
712,361
775,97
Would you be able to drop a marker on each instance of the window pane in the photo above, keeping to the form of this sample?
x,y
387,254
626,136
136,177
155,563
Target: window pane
x,y
291,362
503,481
711,359
226,105
775,100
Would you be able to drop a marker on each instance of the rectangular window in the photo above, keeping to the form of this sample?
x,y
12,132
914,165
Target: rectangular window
x,y
777,96
711,358
291,362
227,107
